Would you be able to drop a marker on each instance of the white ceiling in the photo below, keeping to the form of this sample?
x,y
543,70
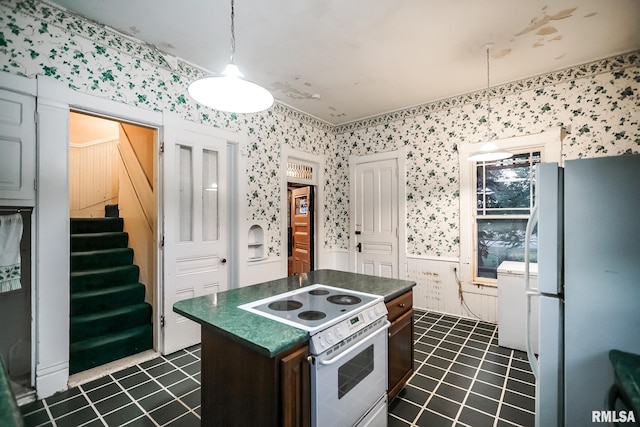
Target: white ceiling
x,y
368,57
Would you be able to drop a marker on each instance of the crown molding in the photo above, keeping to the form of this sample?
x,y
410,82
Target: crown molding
x,y
66,20
614,63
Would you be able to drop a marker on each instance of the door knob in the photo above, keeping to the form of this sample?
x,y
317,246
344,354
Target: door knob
x,y
223,261
359,247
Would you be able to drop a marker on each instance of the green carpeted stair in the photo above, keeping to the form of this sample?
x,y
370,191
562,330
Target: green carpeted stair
x,y
109,317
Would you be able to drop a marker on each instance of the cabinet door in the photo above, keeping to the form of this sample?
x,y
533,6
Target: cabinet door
x,y
296,389
17,148
400,352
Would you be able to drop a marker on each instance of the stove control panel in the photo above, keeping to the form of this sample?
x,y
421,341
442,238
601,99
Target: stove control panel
x,y
332,335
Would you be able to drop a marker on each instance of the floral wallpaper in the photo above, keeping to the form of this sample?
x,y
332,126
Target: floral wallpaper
x,y
597,103
37,38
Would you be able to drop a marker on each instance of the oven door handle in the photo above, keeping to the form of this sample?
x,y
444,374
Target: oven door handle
x,y
354,348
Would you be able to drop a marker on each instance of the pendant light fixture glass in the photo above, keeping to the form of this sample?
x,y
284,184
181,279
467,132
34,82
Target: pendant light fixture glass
x,y
231,92
489,151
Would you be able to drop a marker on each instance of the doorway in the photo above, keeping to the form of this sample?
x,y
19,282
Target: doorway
x,y
113,216
301,230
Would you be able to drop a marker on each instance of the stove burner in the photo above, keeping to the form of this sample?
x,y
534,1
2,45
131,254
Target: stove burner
x,y
344,299
319,292
285,305
312,315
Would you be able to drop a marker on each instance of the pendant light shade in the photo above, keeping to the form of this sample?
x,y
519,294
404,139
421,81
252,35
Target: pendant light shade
x,y
489,151
230,91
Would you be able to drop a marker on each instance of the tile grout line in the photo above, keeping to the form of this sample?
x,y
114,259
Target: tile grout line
x,y
475,377
162,387
135,402
91,404
423,363
46,408
504,389
441,380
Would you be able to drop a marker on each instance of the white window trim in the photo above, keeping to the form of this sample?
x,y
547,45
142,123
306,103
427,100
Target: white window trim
x,y
549,143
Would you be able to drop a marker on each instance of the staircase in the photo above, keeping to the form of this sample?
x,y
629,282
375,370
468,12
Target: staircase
x,y
109,317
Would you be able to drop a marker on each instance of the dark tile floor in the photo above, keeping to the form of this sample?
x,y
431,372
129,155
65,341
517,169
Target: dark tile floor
x,y
462,379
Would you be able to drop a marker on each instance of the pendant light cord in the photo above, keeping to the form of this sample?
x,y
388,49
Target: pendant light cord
x,y
233,31
488,48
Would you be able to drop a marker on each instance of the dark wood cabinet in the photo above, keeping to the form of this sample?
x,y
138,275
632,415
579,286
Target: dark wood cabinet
x,y
400,314
241,386
296,389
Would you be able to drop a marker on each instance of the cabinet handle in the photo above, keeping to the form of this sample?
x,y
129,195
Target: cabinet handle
x,y
401,305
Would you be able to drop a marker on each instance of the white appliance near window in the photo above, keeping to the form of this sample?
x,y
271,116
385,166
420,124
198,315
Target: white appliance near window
x,y
512,306
588,282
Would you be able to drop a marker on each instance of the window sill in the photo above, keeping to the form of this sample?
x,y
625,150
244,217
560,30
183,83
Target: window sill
x,y
479,284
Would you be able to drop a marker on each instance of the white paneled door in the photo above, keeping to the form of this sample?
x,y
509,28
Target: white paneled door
x,y
376,218
17,148
195,240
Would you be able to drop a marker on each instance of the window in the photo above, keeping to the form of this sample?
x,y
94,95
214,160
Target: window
x,y
496,199
505,198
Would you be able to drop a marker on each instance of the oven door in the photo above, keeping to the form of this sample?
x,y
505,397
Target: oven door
x,y
346,385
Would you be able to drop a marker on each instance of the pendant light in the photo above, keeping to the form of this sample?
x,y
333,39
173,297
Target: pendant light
x,y
489,151
231,92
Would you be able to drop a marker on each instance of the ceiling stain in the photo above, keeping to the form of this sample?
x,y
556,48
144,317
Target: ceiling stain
x,y
501,54
338,114
560,57
537,23
291,92
544,31
589,15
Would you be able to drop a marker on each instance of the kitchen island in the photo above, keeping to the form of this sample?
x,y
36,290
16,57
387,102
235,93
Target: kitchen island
x,y
255,370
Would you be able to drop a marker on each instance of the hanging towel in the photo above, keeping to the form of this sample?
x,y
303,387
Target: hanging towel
x,y
10,236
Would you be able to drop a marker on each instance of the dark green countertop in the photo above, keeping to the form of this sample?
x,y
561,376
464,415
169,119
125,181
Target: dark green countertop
x,y
627,370
220,311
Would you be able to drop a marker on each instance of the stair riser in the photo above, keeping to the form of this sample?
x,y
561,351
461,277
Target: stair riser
x,y
96,225
86,355
85,304
86,281
93,241
82,329
82,261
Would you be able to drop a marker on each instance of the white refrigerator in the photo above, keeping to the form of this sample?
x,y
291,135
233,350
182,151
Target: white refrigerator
x,y
588,225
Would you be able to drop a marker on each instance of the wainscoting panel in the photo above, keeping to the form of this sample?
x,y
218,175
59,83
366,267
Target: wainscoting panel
x,y
93,171
437,289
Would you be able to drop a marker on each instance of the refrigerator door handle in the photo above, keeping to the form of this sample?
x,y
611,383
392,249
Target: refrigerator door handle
x,y
530,292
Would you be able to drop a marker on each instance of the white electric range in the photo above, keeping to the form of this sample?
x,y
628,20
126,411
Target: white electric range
x,y
348,346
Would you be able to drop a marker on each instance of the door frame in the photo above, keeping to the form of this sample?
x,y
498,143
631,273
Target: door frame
x,y
317,180
312,223
400,155
54,101
51,280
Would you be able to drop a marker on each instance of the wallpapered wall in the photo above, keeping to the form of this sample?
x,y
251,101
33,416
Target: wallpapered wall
x,y
598,103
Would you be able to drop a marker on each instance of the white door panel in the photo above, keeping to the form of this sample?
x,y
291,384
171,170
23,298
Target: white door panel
x,y
376,218
195,240
17,147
